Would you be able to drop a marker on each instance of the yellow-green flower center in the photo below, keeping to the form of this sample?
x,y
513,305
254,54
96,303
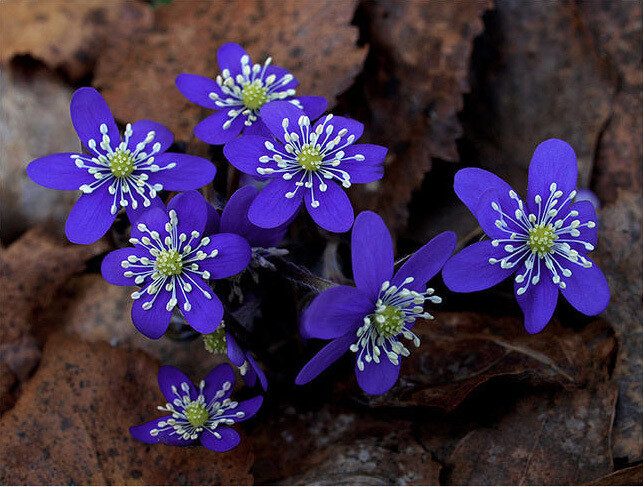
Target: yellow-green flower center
x,y
196,414
541,239
121,163
389,321
215,342
169,263
254,95
309,158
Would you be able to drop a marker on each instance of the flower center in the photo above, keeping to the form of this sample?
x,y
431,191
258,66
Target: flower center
x,y
215,342
541,239
254,95
196,414
309,158
121,163
169,263
389,321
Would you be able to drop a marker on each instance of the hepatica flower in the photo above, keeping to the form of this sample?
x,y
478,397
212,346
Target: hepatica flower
x,y
127,172
238,93
175,254
221,341
373,318
544,241
205,413
305,162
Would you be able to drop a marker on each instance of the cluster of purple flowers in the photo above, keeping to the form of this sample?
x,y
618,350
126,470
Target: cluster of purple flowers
x,y
303,158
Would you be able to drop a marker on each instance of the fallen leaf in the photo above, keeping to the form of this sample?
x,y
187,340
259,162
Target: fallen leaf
x,y
68,36
536,75
35,122
33,268
619,254
314,40
547,438
461,351
626,476
616,28
96,310
338,446
413,88
70,426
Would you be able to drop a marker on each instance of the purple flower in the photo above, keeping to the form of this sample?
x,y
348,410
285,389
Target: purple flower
x,y
205,414
116,173
307,163
222,342
234,219
371,318
175,254
238,94
543,242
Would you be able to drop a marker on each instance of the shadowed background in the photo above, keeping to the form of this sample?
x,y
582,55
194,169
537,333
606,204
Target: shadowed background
x,y
443,85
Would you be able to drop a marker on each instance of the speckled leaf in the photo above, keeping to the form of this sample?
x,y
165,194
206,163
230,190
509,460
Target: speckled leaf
x,y
313,39
620,256
70,426
461,351
546,438
33,269
96,310
338,446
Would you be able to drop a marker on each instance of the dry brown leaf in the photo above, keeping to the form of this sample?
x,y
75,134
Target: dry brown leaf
x,y
68,35
626,476
616,28
619,254
338,446
461,351
96,310
70,426
546,439
33,268
537,75
413,87
313,39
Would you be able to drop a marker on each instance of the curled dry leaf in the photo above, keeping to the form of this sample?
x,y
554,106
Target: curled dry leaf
x,y
68,35
547,438
33,269
619,253
338,446
313,39
460,351
70,426
414,82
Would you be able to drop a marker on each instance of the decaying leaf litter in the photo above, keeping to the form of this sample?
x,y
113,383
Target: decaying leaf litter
x,y
443,85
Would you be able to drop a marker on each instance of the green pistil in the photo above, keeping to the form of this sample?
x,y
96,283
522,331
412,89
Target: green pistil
x,y
389,321
215,342
196,414
121,163
541,239
309,158
169,263
254,95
